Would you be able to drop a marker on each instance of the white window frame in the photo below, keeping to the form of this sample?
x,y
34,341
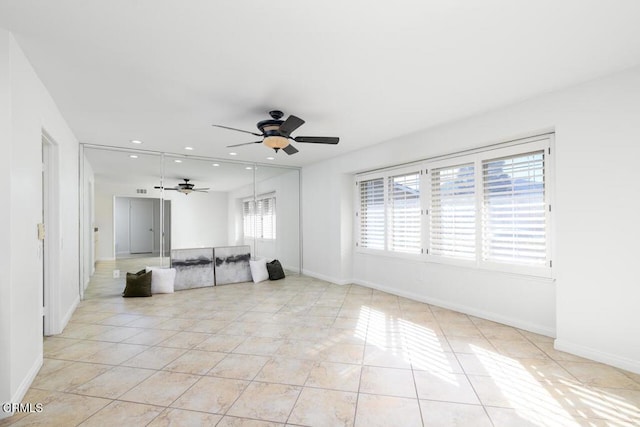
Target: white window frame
x,y
523,146
385,175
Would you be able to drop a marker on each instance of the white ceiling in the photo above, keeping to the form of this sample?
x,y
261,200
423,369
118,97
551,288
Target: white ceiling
x,y
366,71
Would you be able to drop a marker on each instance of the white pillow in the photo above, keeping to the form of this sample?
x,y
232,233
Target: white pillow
x,y
259,271
162,280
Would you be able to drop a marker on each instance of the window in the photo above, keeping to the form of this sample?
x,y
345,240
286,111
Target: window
x,y
390,213
514,215
259,217
372,220
453,212
249,218
404,214
487,208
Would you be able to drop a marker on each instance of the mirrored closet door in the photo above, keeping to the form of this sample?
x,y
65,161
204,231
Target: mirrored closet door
x,y
138,206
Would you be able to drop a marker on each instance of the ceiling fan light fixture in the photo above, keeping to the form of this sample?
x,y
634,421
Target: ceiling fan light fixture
x,y
276,133
276,142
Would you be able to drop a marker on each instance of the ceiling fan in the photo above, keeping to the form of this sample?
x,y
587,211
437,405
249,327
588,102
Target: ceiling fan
x,y
184,187
276,133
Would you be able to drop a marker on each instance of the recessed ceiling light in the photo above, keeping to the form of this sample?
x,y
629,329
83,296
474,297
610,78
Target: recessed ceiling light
x,y
248,168
136,141
188,148
271,158
133,156
216,164
233,154
178,161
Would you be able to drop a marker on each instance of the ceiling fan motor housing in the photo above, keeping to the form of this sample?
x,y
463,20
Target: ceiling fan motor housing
x,y
271,131
270,127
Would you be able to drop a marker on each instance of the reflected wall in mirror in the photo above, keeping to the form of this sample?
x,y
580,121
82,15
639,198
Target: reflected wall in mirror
x,y
125,227
266,215
143,204
201,218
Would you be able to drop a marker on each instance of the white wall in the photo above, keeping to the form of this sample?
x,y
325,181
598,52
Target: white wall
x,y
286,247
6,147
121,224
24,114
592,306
197,220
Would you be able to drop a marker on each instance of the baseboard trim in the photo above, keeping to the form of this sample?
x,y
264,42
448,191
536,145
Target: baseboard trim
x,y
326,278
26,383
517,323
598,355
67,317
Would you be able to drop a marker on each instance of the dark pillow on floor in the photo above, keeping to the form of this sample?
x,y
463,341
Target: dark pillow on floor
x,y
275,270
138,284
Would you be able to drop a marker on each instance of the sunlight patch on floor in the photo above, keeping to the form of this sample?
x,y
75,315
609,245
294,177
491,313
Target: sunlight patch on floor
x,y
544,402
408,341
426,351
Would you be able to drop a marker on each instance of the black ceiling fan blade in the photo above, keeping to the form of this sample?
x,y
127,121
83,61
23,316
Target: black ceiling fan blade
x,y
289,125
290,149
169,188
317,139
158,188
244,143
238,130
201,189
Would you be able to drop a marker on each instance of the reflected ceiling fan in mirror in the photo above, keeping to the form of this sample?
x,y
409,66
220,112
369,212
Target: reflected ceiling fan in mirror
x,y
184,187
276,133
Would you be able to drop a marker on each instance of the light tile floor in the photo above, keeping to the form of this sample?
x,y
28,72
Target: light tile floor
x,y
302,351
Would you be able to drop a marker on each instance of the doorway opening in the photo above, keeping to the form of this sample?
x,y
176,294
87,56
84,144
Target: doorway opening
x,y
139,227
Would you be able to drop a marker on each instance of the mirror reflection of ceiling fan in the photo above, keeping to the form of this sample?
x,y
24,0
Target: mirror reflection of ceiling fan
x,y
276,133
184,187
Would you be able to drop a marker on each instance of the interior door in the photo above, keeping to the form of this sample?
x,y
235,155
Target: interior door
x,y
141,226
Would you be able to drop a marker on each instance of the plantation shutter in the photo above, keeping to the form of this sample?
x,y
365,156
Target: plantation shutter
x,y
372,213
248,218
268,216
514,217
404,213
259,217
453,212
